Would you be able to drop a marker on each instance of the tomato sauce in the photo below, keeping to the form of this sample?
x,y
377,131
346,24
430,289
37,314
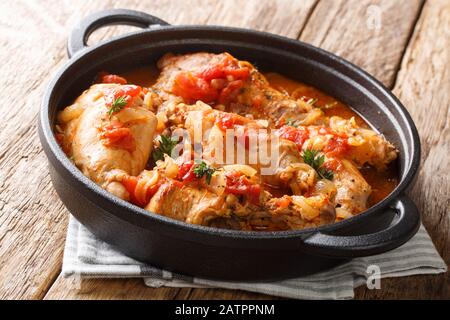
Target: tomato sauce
x,y
330,105
143,76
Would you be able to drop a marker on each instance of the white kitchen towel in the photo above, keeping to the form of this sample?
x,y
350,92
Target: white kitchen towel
x,y
88,257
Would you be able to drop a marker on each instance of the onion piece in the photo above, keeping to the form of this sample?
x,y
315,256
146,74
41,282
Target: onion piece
x,y
71,112
246,170
218,183
133,114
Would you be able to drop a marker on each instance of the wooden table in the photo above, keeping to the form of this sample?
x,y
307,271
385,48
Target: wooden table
x,y
405,44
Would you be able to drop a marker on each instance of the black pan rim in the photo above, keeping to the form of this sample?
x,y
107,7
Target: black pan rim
x,y
90,188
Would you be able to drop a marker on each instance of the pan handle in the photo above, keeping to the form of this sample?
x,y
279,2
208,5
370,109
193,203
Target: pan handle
x,y
400,231
79,36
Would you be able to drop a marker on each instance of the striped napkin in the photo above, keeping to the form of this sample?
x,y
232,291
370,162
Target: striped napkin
x,y
87,257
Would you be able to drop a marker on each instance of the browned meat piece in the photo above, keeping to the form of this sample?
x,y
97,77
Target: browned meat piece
x,y
283,167
187,204
212,204
105,146
352,190
299,212
366,146
222,80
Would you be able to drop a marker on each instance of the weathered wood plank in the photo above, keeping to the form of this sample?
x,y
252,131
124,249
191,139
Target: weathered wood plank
x,y
423,85
282,17
370,33
33,219
217,294
135,289
114,289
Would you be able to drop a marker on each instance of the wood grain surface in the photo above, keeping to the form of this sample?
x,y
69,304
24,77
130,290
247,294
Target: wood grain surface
x,y
371,34
403,43
423,85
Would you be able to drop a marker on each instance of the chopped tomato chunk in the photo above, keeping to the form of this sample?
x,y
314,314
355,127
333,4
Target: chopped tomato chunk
x,y
220,71
62,143
239,184
228,120
211,72
132,90
178,184
333,165
151,192
127,92
230,92
296,135
116,135
192,88
227,67
337,146
218,82
238,73
104,77
130,183
59,138
282,203
186,172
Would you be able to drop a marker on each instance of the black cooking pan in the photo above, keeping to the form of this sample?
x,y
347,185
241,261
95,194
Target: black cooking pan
x,y
216,253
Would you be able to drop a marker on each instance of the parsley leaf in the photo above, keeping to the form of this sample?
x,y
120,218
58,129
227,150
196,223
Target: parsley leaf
x,y
312,158
117,105
166,145
312,101
203,169
325,173
291,122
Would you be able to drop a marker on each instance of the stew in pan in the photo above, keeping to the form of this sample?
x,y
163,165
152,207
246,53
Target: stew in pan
x,y
208,139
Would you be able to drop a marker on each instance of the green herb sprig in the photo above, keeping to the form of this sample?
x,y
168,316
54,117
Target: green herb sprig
x,y
312,158
291,122
312,101
117,105
166,145
203,169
